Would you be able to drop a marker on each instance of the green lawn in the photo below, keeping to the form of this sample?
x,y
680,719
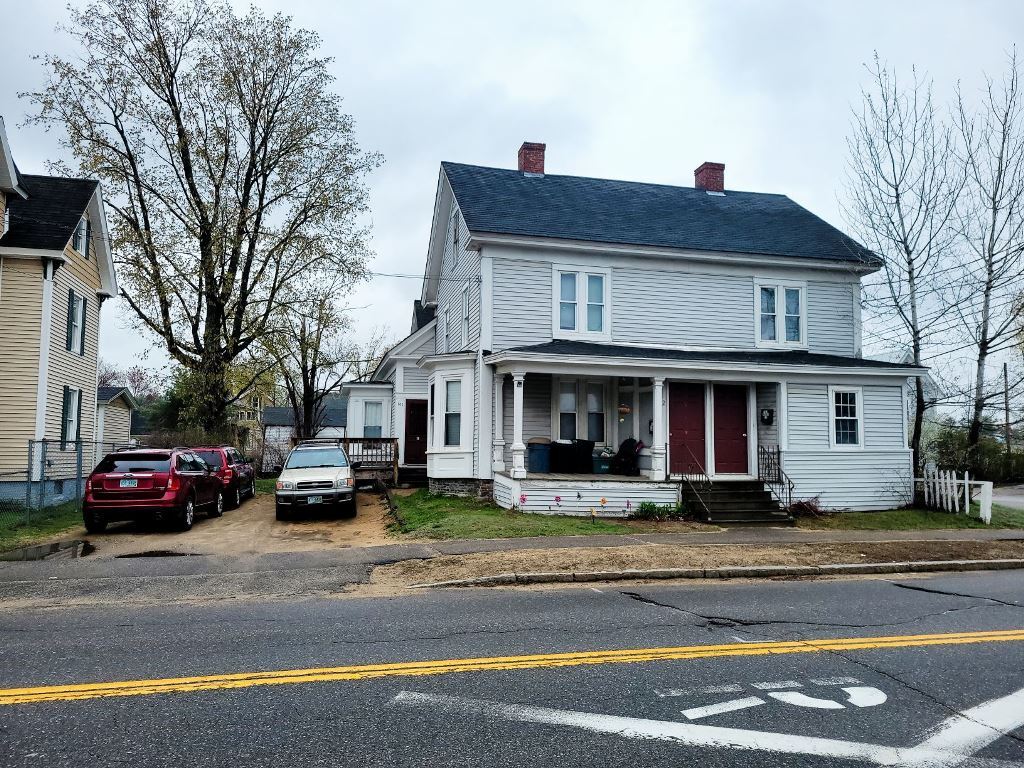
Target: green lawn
x,y
443,517
266,484
41,525
912,519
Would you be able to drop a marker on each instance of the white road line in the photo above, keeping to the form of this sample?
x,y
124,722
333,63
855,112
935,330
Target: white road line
x,y
951,744
708,689
803,700
864,696
975,728
776,686
726,706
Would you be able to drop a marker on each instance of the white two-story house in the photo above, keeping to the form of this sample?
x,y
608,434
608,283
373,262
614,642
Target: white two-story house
x,y
721,329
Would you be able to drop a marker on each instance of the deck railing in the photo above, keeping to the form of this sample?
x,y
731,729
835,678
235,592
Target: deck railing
x,y
769,472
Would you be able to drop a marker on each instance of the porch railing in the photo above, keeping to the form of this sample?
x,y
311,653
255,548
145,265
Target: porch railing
x,y
698,481
377,456
769,472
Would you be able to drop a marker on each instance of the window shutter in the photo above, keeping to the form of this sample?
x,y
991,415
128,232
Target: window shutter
x,y
85,312
71,318
88,234
64,417
78,418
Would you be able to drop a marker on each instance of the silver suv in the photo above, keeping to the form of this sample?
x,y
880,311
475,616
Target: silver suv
x,y
316,475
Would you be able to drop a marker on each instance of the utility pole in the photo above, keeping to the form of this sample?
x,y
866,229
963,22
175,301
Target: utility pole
x,y
1006,409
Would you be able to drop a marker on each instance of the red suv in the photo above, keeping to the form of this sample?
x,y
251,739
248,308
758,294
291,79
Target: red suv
x,y
151,484
235,473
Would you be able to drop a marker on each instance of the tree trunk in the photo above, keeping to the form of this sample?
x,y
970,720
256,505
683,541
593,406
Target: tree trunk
x,y
919,408
212,394
977,412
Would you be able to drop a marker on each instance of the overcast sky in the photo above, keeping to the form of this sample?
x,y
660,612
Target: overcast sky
x,y
643,91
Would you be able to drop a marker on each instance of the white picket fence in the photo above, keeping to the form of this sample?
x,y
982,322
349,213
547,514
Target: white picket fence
x,y
945,491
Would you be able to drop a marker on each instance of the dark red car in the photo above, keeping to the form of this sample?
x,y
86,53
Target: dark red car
x,y
235,473
151,484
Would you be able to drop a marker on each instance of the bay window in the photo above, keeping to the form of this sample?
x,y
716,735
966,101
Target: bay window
x,y
453,412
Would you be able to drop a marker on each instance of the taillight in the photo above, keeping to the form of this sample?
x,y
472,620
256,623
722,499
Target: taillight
x,y
88,484
172,482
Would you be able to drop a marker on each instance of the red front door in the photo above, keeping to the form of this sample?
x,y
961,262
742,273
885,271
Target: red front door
x,y
731,429
686,433
415,431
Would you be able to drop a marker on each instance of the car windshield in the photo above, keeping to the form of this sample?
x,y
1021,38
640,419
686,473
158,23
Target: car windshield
x,y
316,457
213,458
135,462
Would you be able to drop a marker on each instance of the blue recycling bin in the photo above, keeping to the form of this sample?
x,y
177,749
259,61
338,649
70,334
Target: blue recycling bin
x,y
538,457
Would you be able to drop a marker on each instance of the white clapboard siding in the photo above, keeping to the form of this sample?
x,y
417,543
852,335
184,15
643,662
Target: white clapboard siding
x,y
830,317
854,480
536,409
581,497
522,303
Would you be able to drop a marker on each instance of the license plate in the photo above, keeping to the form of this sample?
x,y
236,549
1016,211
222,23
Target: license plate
x,y
132,483
315,500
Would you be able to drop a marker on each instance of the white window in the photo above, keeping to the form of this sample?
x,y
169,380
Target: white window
x,y
446,330
80,240
5,227
76,323
453,412
572,420
72,414
781,317
455,237
373,418
567,410
465,316
580,303
846,423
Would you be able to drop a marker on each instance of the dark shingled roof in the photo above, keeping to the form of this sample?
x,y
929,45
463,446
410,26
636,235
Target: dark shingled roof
x,y
106,394
508,202
335,415
48,218
785,357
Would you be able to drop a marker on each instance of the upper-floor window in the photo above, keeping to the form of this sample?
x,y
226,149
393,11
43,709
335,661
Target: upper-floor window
x,y
781,316
846,420
5,225
76,323
80,240
465,316
373,418
581,303
446,330
455,237
71,418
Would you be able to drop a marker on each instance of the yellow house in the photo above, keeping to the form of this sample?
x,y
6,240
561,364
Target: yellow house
x,y
56,271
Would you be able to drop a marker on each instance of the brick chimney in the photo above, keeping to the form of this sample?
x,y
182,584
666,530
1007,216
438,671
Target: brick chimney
x,y
531,157
709,176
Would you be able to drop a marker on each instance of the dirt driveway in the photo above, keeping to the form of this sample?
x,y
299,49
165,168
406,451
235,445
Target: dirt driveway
x,y
250,529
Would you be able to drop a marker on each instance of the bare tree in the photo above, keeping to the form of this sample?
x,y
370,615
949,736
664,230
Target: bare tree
x,y
109,375
992,229
227,162
902,187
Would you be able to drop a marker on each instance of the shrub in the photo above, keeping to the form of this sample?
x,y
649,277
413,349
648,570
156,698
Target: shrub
x,y
808,508
648,510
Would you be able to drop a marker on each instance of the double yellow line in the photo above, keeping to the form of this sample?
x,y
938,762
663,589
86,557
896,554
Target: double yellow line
x,y
494,663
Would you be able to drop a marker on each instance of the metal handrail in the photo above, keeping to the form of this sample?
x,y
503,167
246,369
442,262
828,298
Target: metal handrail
x,y
695,474
769,472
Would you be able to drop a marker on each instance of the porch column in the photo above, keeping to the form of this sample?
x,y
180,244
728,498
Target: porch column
x,y
518,447
498,443
658,449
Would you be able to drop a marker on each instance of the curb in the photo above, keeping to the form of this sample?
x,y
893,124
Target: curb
x,y
730,572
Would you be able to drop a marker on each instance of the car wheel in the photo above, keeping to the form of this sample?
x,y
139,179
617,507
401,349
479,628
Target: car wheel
x,y
236,500
94,522
280,513
218,506
349,510
252,489
187,516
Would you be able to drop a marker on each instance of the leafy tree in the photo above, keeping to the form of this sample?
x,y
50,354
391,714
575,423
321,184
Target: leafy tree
x,y
227,162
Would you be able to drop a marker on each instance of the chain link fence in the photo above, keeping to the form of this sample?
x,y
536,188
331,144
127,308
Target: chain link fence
x,y
52,480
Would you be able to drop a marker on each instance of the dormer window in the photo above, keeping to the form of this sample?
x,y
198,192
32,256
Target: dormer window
x,y
780,315
80,240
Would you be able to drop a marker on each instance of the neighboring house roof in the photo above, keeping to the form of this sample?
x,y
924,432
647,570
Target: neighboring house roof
x,y
48,217
509,202
10,179
784,357
421,315
335,415
932,389
106,394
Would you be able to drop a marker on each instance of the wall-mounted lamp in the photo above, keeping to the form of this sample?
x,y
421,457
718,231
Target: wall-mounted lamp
x,y
767,416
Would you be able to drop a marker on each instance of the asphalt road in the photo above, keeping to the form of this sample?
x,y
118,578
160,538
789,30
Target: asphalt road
x,y
786,673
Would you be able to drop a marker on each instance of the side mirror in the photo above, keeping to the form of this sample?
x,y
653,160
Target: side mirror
x,y
277,469
356,465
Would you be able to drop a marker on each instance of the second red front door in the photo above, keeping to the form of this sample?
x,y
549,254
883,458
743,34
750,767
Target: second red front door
x,y
730,429
415,431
